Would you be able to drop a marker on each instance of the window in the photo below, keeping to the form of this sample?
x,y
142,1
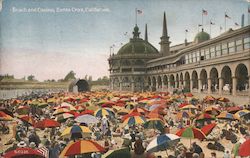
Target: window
x,y
186,59
218,50
198,56
239,46
231,47
224,49
202,54
194,57
207,54
246,42
212,52
190,58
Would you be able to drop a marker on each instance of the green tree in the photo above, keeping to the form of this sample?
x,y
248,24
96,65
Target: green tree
x,y
70,76
31,78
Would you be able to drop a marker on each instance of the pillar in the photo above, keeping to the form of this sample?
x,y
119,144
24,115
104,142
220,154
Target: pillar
x,y
133,86
221,80
120,86
169,85
209,85
234,86
191,85
199,85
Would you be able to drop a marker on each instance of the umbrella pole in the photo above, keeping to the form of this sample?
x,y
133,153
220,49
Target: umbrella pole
x,y
190,142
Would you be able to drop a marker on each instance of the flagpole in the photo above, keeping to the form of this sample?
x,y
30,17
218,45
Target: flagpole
x,y
202,18
135,16
225,22
210,27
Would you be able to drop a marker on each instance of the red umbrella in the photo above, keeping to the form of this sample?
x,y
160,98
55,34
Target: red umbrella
x,y
90,112
47,123
244,149
233,109
208,128
191,132
27,119
130,115
23,152
182,105
205,116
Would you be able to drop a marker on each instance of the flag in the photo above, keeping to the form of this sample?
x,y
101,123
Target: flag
x,y
44,151
212,23
226,16
138,11
236,24
204,12
248,9
199,25
186,30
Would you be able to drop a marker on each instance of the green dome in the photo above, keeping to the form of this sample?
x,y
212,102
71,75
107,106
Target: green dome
x,y
137,46
201,37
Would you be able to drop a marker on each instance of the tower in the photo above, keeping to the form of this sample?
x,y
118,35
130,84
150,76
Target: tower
x,y
164,43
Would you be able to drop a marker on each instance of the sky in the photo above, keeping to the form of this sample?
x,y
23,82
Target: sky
x,y
49,38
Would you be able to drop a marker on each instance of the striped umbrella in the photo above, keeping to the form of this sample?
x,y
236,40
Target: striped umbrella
x,y
103,112
81,147
63,116
241,113
76,131
5,117
162,142
60,111
134,120
189,106
226,115
88,119
205,116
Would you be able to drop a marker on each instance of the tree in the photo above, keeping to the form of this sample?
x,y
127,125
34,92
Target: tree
x,y
31,78
70,76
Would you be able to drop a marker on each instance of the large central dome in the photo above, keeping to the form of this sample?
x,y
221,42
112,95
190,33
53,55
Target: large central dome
x,y
137,45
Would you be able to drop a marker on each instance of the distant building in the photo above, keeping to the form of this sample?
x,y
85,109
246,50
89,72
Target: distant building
x,y
79,85
219,66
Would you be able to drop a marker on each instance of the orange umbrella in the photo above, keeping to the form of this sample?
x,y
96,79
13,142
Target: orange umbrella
x,y
208,128
47,123
81,147
5,117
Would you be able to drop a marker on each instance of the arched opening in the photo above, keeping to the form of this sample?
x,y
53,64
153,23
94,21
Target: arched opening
x,y
139,83
165,80
195,80
126,84
226,75
154,84
214,80
172,82
203,77
187,81
241,74
181,79
159,82
177,81
149,81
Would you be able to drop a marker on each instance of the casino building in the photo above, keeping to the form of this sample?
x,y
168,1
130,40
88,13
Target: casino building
x,y
210,66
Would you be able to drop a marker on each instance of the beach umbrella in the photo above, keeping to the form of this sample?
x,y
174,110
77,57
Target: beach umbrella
x,y
51,100
154,123
244,149
134,120
241,113
88,119
121,153
23,110
76,131
80,107
103,112
130,105
60,111
42,105
233,109
209,98
67,106
23,152
90,112
182,105
81,147
223,99
152,115
184,114
138,110
191,133
63,116
130,115
235,150
226,115
123,112
208,128
47,123
152,107
27,119
204,116
5,117
212,110
189,106
162,142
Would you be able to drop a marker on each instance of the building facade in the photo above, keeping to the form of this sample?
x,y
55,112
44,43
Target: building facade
x,y
219,66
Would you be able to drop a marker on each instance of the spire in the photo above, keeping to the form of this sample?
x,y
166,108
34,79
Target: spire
x,y
146,33
164,30
165,43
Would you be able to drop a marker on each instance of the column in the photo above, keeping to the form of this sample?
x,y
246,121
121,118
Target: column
x,y
120,86
221,80
209,85
191,85
133,86
199,85
249,89
234,86
169,85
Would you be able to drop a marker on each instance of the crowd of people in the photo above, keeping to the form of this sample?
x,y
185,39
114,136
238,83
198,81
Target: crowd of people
x,y
122,121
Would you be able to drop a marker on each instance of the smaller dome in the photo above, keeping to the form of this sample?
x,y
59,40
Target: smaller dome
x,y
201,37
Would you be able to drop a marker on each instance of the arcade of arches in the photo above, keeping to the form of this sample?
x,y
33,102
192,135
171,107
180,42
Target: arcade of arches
x,y
222,79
